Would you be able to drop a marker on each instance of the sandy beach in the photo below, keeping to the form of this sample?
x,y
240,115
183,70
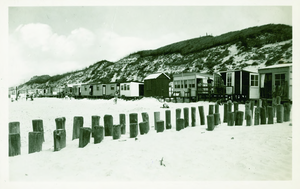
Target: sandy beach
x,y
238,153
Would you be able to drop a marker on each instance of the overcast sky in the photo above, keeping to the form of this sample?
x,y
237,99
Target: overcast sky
x,y
55,40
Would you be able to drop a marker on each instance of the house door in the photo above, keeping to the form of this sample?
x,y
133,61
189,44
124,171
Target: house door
x,y
229,83
254,89
104,89
91,89
266,85
281,86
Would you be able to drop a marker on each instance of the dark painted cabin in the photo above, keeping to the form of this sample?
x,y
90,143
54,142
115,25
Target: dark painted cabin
x,y
242,83
275,81
156,85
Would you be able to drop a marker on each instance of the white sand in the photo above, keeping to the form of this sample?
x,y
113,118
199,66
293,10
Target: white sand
x,y
239,153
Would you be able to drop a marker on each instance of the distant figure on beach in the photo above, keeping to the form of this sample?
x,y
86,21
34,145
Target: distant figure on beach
x,y
116,97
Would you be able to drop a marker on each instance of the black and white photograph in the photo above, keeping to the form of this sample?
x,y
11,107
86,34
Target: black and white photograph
x,y
182,94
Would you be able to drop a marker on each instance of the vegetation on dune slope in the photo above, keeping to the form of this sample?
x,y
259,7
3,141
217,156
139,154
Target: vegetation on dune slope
x,y
262,45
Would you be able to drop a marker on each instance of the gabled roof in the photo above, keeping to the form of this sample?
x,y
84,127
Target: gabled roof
x,y
277,66
154,76
247,69
129,82
196,74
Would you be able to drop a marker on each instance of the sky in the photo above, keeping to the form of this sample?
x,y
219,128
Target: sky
x,y
57,39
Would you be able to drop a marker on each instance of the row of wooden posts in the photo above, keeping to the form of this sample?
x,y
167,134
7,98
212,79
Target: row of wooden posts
x,y
233,117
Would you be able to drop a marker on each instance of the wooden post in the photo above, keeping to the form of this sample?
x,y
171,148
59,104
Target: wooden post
x,y
14,139
35,140
225,113
248,117
14,127
247,108
239,118
60,123
236,106
84,136
263,117
133,130
230,119
270,115
145,118
116,132
216,118
178,113
217,108
252,107
98,134
133,118
229,108
259,103
211,109
278,100
186,116
122,119
156,118
160,126
201,114
264,103
59,137
257,116
193,111
287,112
143,127
279,113
77,124
274,106
210,122
108,124
179,124
37,126
14,142
168,119
95,121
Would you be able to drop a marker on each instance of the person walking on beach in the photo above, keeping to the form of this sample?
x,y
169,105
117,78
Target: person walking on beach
x,y
116,97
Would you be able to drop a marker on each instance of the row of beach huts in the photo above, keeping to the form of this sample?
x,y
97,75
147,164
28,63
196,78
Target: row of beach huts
x,y
243,84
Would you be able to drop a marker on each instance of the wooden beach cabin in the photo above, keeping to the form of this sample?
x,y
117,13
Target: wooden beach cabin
x,y
86,90
189,85
97,89
156,85
275,81
76,90
110,89
132,89
242,84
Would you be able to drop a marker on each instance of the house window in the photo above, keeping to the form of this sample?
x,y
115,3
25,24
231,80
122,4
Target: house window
x,y
192,83
185,83
98,88
128,87
229,79
176,84
85,88
279,79
254,80
112,88
122,87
